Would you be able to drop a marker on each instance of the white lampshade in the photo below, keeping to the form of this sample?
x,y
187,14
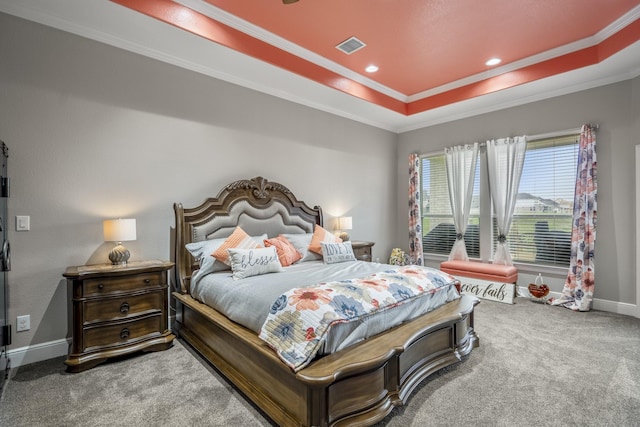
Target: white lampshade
x,y
345,223
119,230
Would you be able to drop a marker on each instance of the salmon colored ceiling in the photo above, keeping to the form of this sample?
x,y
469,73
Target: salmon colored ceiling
x,y
429,52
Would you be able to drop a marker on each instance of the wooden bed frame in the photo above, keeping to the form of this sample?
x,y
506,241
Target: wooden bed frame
x,y
359,385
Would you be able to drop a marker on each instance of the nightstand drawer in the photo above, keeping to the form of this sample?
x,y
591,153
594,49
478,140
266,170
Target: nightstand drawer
x,y
105,309
122,332
108,285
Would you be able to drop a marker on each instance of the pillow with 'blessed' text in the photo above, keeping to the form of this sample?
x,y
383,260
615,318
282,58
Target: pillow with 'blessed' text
x,y
253,262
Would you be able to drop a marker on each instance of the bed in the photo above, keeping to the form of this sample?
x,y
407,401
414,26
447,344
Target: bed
x,y
356,385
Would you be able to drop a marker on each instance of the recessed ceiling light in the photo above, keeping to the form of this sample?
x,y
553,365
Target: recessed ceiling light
x,y
493,61
371,69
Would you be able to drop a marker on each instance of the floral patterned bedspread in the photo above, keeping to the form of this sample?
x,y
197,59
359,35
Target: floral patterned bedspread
x,y
299,319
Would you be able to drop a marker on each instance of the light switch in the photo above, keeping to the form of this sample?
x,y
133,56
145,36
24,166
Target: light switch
x,y
23,223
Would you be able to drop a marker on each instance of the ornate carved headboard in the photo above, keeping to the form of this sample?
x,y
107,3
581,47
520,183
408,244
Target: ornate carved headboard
x,y
257,205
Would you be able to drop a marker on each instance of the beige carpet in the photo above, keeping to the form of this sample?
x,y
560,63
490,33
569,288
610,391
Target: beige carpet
x,y
536,366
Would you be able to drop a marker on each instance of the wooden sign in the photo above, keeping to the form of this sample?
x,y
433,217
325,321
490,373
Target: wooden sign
x,y
486,289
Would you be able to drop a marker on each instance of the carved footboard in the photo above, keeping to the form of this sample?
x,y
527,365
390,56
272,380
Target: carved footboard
x,y
359,385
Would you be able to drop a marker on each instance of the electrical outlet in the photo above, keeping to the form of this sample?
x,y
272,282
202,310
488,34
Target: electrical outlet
x,y
23,323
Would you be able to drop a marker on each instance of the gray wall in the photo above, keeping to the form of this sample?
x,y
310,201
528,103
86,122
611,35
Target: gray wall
x,y
95,132
615,108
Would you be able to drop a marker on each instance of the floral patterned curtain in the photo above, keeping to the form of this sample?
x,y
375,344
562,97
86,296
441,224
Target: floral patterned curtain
x,y
578,287
415,214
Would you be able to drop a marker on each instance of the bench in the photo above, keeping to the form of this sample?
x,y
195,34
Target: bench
x,y
489,281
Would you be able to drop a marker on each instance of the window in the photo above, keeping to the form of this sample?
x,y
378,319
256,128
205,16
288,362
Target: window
x,y
437,218
540,230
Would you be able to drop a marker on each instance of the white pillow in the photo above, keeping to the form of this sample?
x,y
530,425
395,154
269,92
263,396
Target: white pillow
x,y
202,252
301,242
333,253
252,262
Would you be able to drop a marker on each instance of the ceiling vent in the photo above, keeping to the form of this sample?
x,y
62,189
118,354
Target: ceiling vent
x,y
350,45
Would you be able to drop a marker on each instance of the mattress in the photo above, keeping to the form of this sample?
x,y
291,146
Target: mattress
x,y
248,301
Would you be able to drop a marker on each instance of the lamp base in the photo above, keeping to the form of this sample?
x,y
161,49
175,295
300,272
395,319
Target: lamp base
x,y
119,255
344,236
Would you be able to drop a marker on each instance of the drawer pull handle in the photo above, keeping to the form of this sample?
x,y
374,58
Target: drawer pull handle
x,y
147,281
101,286
124,307
124,333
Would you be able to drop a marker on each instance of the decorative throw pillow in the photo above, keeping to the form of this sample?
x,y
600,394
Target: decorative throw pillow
x,y
252,262
203,252
301,243
287,253
333,253
238,239
321,235
205,247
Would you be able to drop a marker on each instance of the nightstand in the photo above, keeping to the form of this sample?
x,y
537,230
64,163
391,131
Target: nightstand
x,y
362,250
117,309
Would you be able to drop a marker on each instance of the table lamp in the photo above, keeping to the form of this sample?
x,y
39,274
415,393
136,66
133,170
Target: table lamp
x,y
344,223
118,231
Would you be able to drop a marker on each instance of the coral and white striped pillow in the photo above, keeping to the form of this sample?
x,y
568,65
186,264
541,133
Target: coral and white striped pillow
x,y
321,235
239,239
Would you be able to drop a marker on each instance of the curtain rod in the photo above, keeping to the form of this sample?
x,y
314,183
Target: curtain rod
x,y
548,135
555,134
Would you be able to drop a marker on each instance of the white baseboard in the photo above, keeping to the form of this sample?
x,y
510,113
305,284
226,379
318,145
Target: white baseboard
x,y
616,307
598,304
44,351
38,352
